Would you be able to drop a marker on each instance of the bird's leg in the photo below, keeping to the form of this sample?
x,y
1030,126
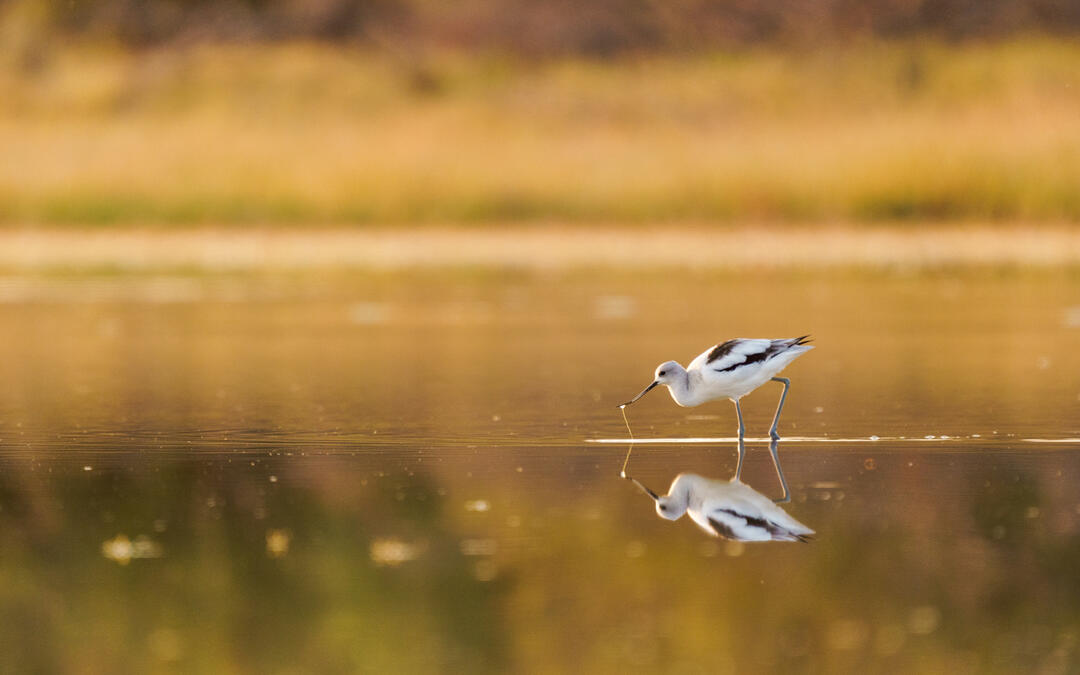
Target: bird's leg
x,y
742,454
779,472
742,445
738,411
776,418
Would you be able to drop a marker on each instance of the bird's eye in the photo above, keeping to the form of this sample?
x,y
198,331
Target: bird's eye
x,y
663,507
663,373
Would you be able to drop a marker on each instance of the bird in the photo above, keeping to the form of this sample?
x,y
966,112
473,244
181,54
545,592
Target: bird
x,y
729,370
727,509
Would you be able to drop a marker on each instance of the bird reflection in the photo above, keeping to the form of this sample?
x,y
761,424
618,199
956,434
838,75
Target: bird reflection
x,y
729,509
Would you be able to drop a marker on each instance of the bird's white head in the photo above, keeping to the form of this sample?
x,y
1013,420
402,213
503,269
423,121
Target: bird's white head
x,y
671,507
667,372
674,504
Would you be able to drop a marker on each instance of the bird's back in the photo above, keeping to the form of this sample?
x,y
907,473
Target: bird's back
x,y
737,367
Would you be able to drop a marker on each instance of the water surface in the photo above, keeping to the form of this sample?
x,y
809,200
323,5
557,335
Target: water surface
x,y
340,472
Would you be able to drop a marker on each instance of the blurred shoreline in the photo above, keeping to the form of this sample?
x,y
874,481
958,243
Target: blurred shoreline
x,y
537,248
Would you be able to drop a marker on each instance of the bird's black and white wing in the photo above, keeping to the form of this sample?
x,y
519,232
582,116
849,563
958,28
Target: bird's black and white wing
x,y
733,354
741,522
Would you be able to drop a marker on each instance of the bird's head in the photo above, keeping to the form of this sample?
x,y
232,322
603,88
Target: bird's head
x,y
670,506
677,500
666,373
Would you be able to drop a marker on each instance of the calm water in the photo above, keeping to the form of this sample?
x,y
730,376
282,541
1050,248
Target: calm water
x,y
344,473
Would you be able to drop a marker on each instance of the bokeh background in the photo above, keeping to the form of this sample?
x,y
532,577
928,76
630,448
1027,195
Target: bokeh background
x,y
309,312
395,112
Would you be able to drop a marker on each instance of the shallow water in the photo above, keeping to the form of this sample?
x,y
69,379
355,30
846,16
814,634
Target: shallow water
x,y
398,473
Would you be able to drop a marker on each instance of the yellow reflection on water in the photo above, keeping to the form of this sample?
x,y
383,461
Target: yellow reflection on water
x,y
122,550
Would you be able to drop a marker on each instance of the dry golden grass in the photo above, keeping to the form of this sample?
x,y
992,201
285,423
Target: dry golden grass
x,y
308,134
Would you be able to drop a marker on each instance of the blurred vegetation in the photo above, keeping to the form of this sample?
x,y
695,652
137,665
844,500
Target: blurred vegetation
x,y
247,112
593,27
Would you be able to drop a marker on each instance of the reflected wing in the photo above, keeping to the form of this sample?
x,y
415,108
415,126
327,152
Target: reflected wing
x,y
727,524
730,523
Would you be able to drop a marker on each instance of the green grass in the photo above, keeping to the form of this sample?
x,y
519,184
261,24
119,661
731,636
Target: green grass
x,y
309,134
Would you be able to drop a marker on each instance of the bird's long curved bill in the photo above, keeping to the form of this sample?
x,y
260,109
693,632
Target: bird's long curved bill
x,y
645,489
643,392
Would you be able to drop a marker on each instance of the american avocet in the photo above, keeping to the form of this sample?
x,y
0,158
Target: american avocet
x,y
727,509
730,370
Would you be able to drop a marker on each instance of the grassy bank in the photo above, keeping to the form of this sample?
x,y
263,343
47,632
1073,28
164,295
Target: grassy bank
x,y
310,134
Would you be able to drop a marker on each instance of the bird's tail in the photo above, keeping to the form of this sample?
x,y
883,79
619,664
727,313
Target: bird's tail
x,y
792,346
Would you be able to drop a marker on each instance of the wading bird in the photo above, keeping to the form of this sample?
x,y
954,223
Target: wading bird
x,y
727,509
730,370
